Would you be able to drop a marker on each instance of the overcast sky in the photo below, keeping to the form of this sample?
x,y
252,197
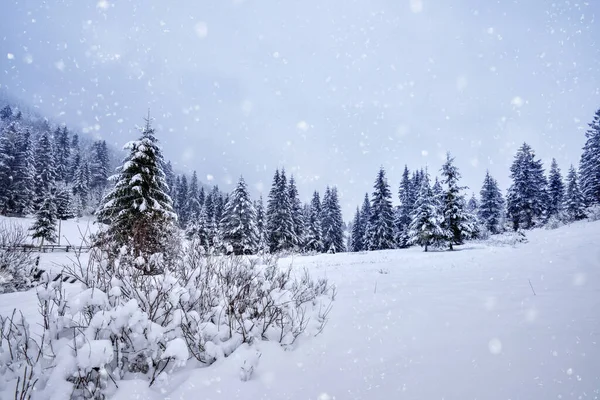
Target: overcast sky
x,y
329,89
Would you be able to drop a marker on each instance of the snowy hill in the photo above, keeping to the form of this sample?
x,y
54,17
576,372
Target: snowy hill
x,y
439,325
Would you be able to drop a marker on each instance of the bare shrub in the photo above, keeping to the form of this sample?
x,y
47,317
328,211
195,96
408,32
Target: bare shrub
x,y
16,262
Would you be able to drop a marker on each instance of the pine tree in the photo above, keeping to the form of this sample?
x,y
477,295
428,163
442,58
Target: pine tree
x,y
574,200
218,207
381,224
44,227
193,206
199,230
527,195
182,198
314,232
44,167
589,167
8,160
24,182
438,194
74,159
280,225
332,223
261,224
62,152
297,216
6,114
64,206
491,207
456,219
239,221
473,205
425,228
81,188
365,212
170,180
556,191
138,210
404,211
99,167
358,234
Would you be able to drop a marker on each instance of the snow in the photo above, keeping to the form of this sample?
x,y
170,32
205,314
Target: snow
x,y
415,325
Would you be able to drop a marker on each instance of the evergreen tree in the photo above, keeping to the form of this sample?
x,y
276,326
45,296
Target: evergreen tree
x,y
170,180
365,213
62,152
193,205
44,227
81,188
6,114
218,207
425,227
182,199
456,220
589,167
381,224
526,196
24,181
439,194
296,210
239,221
491,208
473,205
404,211
261,224
332,223
574,200
74,159
138,210
280,225
556,191
44,167
314,232
99,168
358,234
199,230
8,160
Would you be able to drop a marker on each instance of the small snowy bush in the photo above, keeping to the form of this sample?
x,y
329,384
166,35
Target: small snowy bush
x,y
511,238
554,222
125,324
16,263
593,212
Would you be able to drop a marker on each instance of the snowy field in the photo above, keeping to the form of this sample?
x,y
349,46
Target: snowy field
x,y
439,325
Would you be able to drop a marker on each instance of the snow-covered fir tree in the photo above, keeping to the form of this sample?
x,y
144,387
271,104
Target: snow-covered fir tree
x,y
6,114
473,205
199,230
181,202
365,213
491,205
556,191
381,223
138,210
313,240
296,210
62,153
240,234
332,223
8,160
357,234
574,202
261,224
44,168
425,228
456,219
526,196
404,210
193,206
280,225
44,226
81,188
438,194
99,170
24,176
589,167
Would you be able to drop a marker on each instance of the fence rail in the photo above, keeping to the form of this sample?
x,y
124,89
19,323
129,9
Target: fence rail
x,y
47,248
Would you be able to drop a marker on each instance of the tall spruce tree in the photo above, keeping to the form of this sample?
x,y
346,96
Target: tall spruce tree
x,y
457,221
526,197
556,191
491,206
62,152
24,181
44,167
8,160
425,228
357,235
314,231
261,224
6,114
404,211
332,223
365,212
98,169
280,225
181,203
138,210
589,167
574,202
44,226
193,205
81,188
381,223
297,216
239,221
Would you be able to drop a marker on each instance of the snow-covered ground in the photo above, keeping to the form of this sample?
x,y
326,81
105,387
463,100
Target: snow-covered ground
x,y
439,325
